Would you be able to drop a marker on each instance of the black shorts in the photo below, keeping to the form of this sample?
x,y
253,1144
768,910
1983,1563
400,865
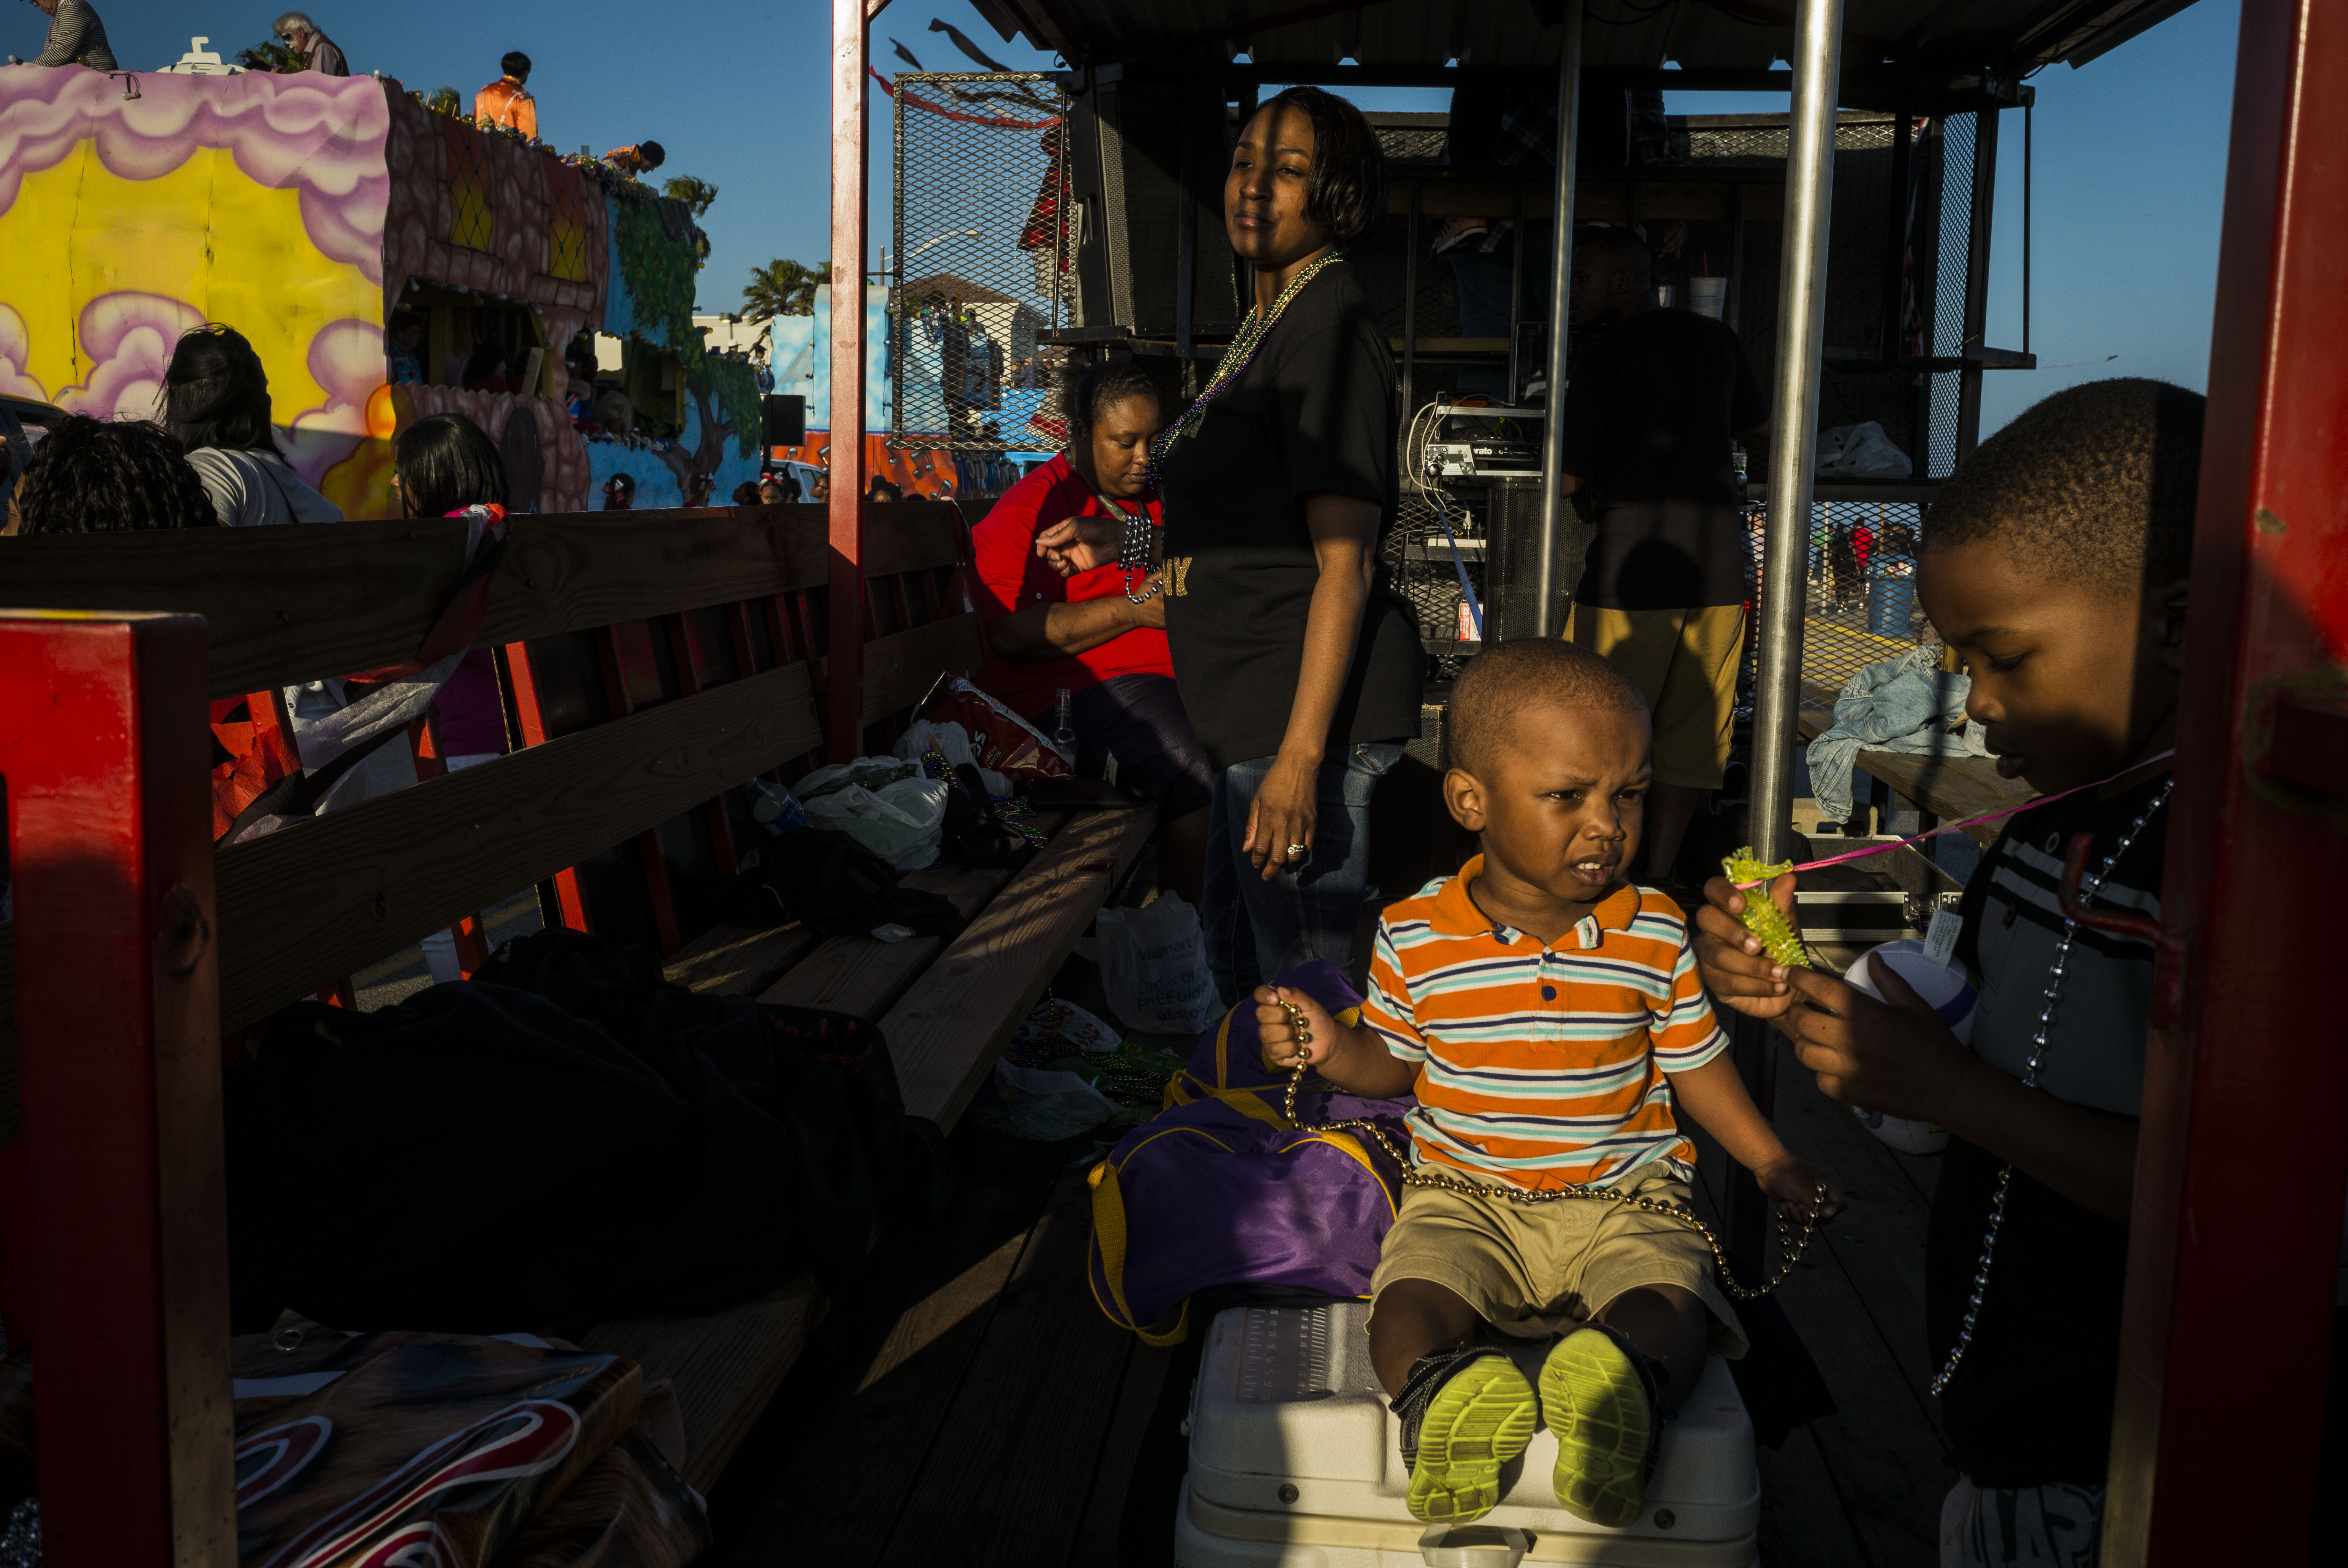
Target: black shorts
x,y
1139,720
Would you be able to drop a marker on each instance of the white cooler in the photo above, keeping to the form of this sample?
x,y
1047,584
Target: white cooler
x,y
1295,1463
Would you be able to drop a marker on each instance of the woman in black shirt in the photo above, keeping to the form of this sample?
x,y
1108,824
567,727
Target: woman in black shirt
x,y
1301,673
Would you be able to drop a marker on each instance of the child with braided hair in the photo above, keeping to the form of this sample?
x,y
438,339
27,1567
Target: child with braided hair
x,y
1547,1015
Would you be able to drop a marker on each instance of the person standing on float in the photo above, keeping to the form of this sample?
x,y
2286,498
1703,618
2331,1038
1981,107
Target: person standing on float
x,y
1299,668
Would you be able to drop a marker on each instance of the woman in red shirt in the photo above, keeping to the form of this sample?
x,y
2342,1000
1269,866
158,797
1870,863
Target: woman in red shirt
x,y
1101,634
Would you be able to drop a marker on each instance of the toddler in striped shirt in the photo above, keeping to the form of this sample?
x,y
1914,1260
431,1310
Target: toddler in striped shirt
x,y
1549,1017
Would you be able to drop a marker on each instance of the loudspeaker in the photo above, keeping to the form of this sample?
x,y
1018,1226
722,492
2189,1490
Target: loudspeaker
x,y
1147,162
783,420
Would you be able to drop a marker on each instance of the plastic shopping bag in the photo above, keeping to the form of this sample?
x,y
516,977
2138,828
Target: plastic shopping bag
x,y
1038,1103
901,821
1860,452
1001,740
1154,966
953,741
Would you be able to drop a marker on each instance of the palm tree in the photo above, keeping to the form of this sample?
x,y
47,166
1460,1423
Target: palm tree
x,y
783,288
694,193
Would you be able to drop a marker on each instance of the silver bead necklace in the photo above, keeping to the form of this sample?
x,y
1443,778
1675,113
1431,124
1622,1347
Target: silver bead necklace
x,y
1133,553
2087,888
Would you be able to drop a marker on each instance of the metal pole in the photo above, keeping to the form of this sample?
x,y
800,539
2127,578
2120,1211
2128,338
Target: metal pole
x,y
1410,327
1976,329
1817,60
1560,288
1517,300
844,604
2026,104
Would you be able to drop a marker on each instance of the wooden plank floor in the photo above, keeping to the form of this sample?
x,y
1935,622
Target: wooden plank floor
x,y
966,1402
1860,1488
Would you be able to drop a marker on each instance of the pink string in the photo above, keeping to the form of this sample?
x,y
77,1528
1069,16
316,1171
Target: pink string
x,y
1970,822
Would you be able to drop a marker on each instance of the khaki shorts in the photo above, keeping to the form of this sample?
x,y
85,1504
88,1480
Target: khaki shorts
x,y
1683,662
1536,1270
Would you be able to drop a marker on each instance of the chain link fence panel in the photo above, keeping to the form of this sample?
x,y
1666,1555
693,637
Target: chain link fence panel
x,y
981,262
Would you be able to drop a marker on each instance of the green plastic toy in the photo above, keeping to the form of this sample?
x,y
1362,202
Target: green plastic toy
x,y
1762,917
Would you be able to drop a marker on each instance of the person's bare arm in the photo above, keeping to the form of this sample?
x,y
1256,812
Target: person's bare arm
x,y
1054,630
1897,1057
1355,1059
1079,544
1567,483
1715,1096
1345,530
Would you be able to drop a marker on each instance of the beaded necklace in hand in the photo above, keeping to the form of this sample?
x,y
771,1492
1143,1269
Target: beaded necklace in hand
x,y
1133,551
1236,358
2087,886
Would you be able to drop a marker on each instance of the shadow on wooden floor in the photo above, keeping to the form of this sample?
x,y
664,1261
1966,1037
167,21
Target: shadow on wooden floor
x,y
967,1402
1860,1488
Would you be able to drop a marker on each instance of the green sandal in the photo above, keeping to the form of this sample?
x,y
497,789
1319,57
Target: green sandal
x,y
1605,1402
1465,1413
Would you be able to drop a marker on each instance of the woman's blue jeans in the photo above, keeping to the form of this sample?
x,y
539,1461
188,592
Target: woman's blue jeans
x,y
1257,930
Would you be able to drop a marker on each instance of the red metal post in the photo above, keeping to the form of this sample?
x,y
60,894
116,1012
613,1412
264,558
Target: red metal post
x,y
513,667
846,670
118,1234
2226,1333
612,646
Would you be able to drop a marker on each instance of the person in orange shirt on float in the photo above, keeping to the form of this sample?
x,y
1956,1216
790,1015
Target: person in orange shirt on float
x,y
506,101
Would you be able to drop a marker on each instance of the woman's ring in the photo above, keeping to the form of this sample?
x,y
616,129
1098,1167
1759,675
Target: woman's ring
x,y
1296,849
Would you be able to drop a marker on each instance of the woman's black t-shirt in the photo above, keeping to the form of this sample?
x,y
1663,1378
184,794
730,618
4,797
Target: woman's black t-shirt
x,y
1313,412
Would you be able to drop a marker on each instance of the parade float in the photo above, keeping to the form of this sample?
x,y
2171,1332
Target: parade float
x,y
319,214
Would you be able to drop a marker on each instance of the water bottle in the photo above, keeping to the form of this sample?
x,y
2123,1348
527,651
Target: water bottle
x,y
776,809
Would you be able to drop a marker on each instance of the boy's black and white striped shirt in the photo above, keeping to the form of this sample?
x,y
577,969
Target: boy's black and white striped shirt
x,y
2014,928
2033,1402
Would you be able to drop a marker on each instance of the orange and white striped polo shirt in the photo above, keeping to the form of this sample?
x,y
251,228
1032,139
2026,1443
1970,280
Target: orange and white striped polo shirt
x,y
1542,1065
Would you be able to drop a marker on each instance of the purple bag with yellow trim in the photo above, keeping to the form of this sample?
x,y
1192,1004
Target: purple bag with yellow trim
x,y
1222,1190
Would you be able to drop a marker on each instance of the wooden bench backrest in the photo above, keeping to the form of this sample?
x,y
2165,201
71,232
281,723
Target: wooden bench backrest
x,y
300,908
110,1214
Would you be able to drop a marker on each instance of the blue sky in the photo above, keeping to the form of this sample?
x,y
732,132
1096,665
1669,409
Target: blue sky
x,y
2130,182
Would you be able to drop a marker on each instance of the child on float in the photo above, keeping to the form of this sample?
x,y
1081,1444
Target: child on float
x,y
1548,1015
445,465
2055,562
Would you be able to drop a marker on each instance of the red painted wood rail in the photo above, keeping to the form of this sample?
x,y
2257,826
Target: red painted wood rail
x,y
2243,1156
115,1205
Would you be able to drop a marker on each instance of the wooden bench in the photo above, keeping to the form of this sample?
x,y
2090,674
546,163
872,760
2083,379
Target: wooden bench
x,y
631,769
1941,788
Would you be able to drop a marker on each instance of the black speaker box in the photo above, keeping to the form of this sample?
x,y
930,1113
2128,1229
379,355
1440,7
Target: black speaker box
x,y
784,420
1147,166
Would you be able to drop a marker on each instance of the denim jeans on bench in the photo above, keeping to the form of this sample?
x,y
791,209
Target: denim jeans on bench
x,y
1255,929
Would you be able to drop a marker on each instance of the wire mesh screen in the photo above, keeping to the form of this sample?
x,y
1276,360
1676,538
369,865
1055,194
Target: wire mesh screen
x,y
981,259
1417,563
1859,589
1954,248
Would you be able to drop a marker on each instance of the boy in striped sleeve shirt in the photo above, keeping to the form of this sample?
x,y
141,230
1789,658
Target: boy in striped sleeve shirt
x,y
1549,1017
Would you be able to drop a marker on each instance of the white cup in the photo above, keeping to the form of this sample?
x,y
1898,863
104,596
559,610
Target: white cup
x,y
1707,296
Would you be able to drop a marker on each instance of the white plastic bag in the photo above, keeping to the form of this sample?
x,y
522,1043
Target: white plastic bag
x,y
1860,452
902,821
1154,966
955,742
1039,1104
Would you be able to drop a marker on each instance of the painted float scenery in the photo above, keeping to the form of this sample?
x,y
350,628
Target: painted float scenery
x,y
385,261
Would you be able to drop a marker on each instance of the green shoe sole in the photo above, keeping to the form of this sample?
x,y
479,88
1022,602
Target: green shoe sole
x,y
1480,1420
1598,1408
